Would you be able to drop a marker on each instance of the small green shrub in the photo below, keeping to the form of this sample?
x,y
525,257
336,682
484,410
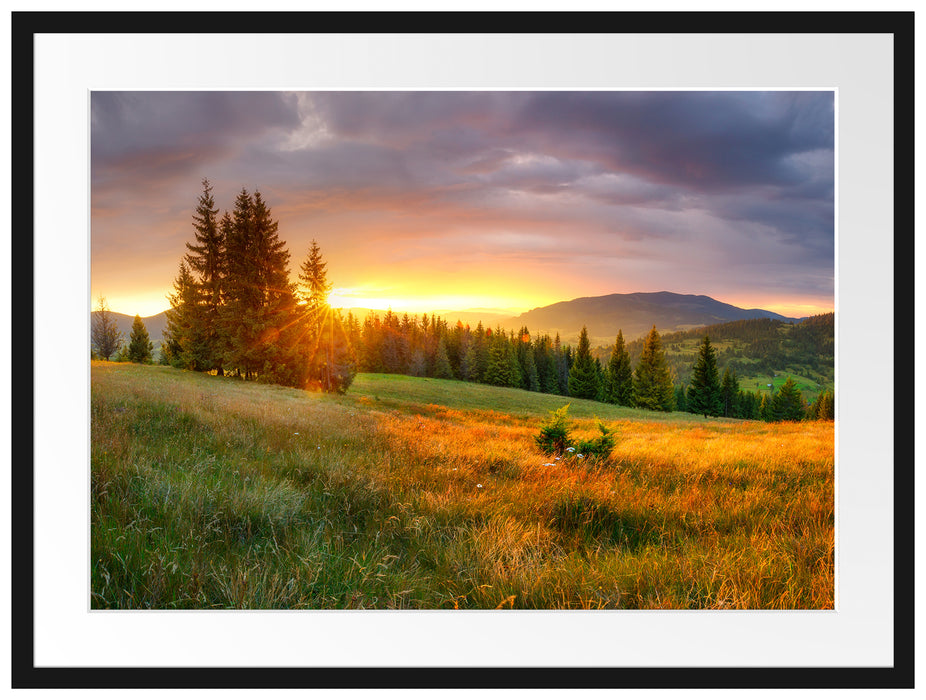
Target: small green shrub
x,y
554,438
554,433
599,447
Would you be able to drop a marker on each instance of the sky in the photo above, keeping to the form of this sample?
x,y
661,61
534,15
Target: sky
x,y
503,201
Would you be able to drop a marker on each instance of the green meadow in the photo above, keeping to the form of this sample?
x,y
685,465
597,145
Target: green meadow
x,y
410,493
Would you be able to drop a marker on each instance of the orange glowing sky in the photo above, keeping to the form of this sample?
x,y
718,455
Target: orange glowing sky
x,y
483,200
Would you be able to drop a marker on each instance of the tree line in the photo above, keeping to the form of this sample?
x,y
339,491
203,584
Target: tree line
x,y
710,394
758,345
235,312
430,347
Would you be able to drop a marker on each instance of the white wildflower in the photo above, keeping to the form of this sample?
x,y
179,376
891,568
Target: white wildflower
x,y
570,449
478,486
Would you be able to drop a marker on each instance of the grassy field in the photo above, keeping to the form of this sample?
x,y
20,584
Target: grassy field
x,y
422,493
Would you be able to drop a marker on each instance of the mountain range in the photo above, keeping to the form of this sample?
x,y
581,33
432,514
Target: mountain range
x,y
633,314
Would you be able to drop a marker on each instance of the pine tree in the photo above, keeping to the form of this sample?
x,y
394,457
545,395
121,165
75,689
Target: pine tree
x,y
313,281
442,368
105,337
468,361
681,398
822,407
529,372
652,382
207,258
329,357
563,355
729,394
352,328
530,379
341,367
456,340
259,318
764,412
478,362
583,378
704,394
370,350
545,361
787,404
748,405
186,338
499,368
827,408
619,375
140,345
242,294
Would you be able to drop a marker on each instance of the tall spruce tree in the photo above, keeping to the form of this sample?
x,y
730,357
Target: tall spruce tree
x,y
619,375
747,404
764,410
206,258
827,406
442,368
530,378
241,292
514,367
499,368
140,344
729,394
479,362
105,337
259,318
652,381
330,359
788,404
583,377
186,344
313,281
823,407
704,389
371,343
545,361
565,364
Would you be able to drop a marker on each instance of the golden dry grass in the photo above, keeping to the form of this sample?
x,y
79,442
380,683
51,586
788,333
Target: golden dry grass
x,y
211,492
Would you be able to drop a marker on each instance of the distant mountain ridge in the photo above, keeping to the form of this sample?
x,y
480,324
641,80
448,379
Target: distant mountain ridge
x,y
634,314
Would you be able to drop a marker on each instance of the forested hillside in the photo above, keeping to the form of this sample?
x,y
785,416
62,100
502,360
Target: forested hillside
x,y
754,349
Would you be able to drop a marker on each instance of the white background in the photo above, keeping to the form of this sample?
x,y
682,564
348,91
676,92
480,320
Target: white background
x,y
858,634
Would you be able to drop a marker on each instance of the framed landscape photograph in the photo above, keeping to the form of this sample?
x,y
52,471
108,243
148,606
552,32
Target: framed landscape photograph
x,y
544,353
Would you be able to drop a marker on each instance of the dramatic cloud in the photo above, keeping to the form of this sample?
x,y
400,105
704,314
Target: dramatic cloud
x,y
525,197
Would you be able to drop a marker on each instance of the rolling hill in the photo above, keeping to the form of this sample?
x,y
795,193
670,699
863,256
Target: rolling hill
x,y
633,314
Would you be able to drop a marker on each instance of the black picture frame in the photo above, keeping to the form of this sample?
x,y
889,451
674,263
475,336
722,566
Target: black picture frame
x,y
25,673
